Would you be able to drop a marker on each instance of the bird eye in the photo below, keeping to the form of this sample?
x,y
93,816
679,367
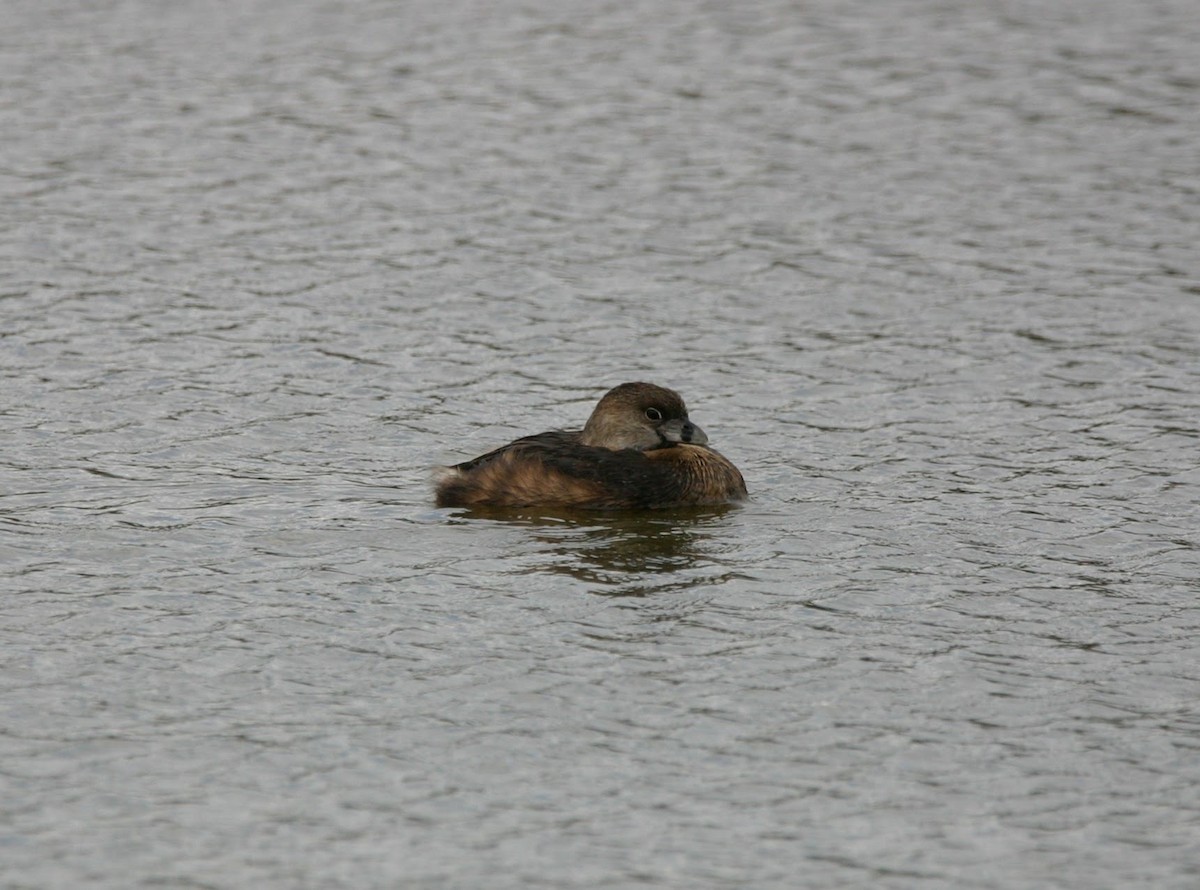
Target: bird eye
x,y
653,414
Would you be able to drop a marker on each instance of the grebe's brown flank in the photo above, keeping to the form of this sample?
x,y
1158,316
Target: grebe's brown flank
x,y
638,450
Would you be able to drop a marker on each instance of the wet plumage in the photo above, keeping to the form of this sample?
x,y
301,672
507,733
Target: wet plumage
x,y
638,450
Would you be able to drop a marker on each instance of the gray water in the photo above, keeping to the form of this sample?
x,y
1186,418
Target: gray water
x,y
926,271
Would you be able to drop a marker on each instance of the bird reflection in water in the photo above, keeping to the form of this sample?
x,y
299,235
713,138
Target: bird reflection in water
x,y
625,553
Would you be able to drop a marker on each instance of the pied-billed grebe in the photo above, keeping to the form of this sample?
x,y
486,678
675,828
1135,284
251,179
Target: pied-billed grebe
x,y
637,451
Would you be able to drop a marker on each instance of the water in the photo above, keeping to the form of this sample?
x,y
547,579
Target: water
x,y
926,272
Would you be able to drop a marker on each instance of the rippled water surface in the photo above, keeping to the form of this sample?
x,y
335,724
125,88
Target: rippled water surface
x,y
927,271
